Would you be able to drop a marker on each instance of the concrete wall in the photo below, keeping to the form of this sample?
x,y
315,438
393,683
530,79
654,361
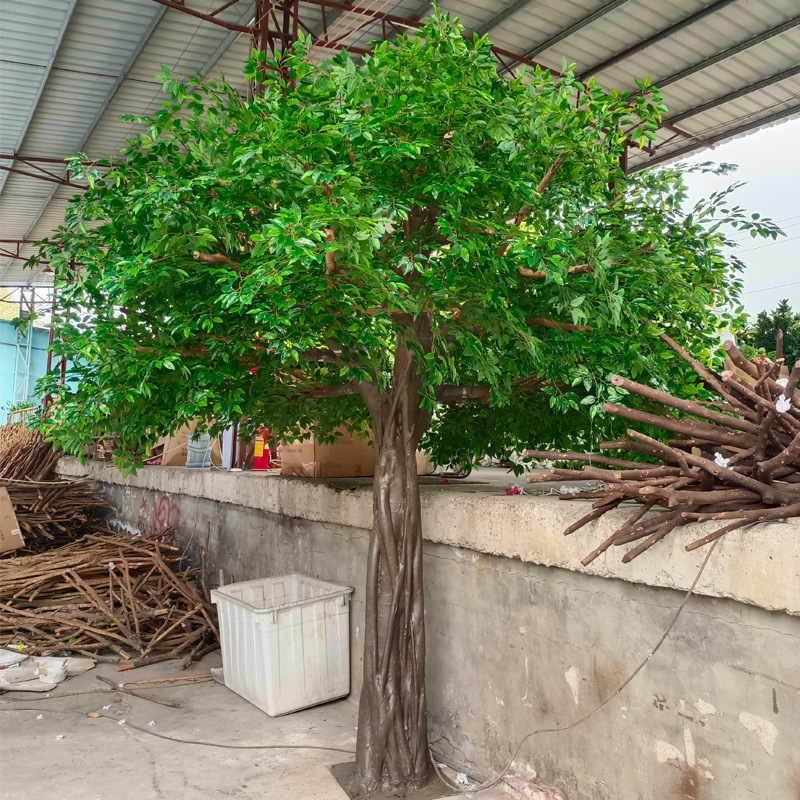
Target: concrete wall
x,y
515,644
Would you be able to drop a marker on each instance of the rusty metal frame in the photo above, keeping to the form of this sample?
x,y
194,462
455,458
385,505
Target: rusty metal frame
x,y
46,176
264,33
18,245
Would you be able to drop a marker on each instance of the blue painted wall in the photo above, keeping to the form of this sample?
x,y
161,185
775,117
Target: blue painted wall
x,y
37,366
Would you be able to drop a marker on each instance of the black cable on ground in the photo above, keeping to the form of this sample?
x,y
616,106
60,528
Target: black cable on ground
x,y
193,741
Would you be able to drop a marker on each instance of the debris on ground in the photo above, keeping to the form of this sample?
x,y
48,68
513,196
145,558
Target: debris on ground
x,y
20,672
104,592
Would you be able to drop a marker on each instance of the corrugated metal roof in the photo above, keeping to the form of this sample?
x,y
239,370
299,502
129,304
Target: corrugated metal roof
x,y
70,68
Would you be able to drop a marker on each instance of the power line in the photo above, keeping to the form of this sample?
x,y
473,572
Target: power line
x,y
771,244
770,288
743,237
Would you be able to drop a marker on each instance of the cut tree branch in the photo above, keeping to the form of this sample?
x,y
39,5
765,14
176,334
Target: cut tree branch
x,y
743,468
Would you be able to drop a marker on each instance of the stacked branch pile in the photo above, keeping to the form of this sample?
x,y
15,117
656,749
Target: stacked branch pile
x,y
735,459
50,512
107,592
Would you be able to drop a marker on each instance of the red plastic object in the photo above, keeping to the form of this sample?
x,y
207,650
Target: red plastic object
x,y
261,454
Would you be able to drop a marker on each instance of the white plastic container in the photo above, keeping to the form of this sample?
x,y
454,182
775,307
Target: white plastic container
x,y
198,450
285,641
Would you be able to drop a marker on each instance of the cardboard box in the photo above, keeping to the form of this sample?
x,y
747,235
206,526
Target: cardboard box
x,y
349,457
10,534
173,450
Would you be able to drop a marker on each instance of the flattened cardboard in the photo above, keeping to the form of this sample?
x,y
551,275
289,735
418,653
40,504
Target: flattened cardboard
x,y
10,534
349,457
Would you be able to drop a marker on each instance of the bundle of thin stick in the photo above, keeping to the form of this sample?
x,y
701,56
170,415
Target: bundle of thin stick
x,y
24,454
53,513
50,513
735,459
104,592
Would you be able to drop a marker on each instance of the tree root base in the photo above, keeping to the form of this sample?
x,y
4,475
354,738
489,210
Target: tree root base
x,y
346,778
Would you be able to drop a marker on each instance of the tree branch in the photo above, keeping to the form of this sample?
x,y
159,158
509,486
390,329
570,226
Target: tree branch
x,y
543,184
321,390
544,322
540,274
323,355
212,258
330,257
462,394
526,209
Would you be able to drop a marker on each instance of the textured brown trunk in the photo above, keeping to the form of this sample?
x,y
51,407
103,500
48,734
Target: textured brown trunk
x,y
392,748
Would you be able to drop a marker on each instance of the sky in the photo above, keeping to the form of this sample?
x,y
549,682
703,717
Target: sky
x,y
769,166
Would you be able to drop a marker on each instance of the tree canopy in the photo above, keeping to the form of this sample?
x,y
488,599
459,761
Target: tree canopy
x,y
250,256
762,334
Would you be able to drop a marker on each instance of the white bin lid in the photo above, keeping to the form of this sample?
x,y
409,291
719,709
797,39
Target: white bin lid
x,y
265,595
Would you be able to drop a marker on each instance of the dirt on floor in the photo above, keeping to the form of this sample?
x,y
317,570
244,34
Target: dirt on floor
x,y
85,741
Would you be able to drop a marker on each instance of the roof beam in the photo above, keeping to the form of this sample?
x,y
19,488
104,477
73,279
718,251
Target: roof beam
x,y
145,38
686,135
48,69
405,22
31,160
231,26
656,37
553,40
49,178
778,116
502,16
745,90
731,51
574,28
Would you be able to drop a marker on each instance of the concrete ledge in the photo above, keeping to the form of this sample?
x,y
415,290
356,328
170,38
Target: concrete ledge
x,y
759,565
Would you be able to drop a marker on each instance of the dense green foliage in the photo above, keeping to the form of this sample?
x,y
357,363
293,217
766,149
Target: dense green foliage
x,y
346,200
762,334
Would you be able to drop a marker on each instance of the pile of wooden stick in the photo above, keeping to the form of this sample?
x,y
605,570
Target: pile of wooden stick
x,y
50,512
24,454
54,513
104,592
734,459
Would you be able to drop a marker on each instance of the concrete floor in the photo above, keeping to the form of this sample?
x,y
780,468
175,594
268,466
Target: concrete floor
x,y
67,755
99,759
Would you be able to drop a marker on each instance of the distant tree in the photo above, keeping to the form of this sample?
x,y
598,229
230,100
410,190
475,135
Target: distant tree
x,y
762,335
411,244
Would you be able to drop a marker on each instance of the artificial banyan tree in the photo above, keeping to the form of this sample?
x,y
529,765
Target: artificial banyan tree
x,y
388,246
735,459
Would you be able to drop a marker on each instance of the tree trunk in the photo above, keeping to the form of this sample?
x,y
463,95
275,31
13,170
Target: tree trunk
x,y
392,749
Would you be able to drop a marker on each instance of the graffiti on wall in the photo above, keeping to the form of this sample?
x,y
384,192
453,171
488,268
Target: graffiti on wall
x,y
157,516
